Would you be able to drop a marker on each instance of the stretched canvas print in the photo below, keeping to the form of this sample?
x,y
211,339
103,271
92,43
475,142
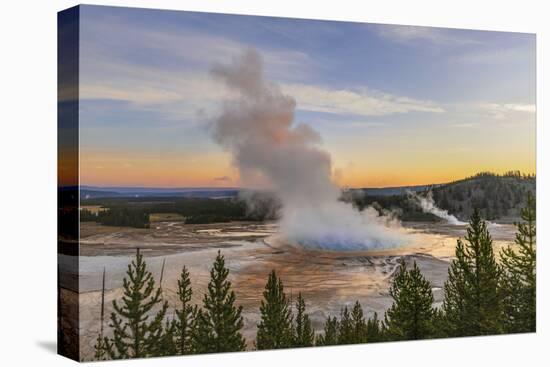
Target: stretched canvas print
x,y
235,183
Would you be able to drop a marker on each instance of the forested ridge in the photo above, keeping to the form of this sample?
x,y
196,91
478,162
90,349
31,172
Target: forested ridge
x,y
497,198
135,212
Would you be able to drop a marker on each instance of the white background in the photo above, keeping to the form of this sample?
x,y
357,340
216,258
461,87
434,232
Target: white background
x,y
28,185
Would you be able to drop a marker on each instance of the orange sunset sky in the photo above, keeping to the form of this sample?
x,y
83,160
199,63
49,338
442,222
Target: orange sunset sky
x,y
394,105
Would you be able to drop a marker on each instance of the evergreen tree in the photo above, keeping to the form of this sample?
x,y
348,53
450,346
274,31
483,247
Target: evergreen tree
x,y
219,323
303,335
439,324
411,314
374,332
519,276
100,347
185,315
203,338
133,335
473,301
160,341
358,325
275,327
166,345
330,333
345,327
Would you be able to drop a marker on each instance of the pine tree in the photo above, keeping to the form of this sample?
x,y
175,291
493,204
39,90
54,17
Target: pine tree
x,y
358,325
203,338
275,327
159,342
185,315
303,335
374,332
330,333
165,344
473,301
168,346
219,323
411,314
133,335
100,347
439,324
345,329
519,276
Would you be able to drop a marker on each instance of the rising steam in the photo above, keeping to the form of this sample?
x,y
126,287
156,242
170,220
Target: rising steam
x,y
268,147
427,204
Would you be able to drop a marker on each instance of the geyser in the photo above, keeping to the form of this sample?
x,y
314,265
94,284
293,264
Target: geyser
x,y
427,204
258,128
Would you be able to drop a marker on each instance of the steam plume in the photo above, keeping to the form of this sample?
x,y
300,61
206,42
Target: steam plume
x,y
427,204
268,147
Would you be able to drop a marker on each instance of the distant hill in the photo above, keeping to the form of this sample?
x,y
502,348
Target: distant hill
x,y
92,192
397,190
96,192
498,197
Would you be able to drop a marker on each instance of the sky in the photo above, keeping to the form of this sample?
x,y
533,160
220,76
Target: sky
x,y
394,105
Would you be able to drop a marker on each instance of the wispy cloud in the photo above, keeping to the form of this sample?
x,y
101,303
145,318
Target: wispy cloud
x,y
171,48
186,95
184,89
481,115
439,36
501,111
165,70
494,56
174,96
197,96
359,101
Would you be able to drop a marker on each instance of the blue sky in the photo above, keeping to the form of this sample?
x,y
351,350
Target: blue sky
x,y
424,99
